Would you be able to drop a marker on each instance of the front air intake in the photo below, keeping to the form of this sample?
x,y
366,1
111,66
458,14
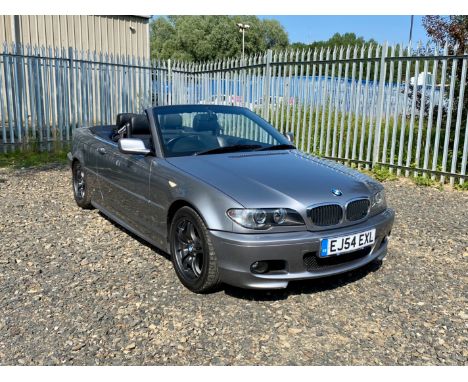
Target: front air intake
x,y
326,215
357,209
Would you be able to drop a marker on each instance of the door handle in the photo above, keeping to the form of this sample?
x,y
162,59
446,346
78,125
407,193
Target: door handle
x,y
101,150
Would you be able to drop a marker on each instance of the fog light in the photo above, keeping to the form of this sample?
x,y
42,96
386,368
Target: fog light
x,y
259,267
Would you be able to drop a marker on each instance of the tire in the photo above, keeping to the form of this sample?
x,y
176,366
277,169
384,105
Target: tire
x,y
81,186
192,252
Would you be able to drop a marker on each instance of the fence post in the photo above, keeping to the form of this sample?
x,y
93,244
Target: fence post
x,y
72,87
266,85
169,81
461,95
21,128
380,105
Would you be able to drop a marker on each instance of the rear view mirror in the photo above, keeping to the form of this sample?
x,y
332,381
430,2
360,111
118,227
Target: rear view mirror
x,y
133,146
290,136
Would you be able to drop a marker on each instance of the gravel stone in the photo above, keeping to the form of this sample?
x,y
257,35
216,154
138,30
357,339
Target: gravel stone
x,y
77,289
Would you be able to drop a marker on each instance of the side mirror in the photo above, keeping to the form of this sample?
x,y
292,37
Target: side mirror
x,y
133,146
290,136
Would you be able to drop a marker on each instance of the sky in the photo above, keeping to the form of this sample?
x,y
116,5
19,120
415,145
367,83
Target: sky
x,y
394,29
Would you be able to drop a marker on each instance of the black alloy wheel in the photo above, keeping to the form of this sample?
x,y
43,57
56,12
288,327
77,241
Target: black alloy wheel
x,y
80,186
193,255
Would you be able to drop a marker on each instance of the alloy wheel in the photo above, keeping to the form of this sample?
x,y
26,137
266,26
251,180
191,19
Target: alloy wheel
x,y
79,185
188,249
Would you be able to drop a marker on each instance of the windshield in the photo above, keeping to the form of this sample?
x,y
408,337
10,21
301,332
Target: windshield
x,y
199,129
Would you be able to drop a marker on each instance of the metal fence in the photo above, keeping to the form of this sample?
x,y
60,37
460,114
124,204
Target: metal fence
x,y
45,93
397,107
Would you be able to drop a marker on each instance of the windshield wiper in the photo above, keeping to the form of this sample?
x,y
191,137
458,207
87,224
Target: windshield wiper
x,y
229,149
282,146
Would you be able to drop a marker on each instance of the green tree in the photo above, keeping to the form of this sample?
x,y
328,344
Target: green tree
x,y
343,41
336,40
203,38
450,29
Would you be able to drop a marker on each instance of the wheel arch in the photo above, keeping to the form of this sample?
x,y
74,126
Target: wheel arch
x,y
73,161
174,207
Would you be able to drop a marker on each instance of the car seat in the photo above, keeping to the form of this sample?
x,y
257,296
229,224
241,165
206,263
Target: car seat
x,y
139,128
122,126
170,122
208,122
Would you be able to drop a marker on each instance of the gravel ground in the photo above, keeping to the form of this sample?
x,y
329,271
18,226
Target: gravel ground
x,y
77,289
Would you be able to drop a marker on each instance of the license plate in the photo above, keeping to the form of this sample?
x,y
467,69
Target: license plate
x,y
343,244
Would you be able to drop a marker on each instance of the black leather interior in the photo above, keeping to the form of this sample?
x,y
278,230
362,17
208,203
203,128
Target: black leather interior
x,y
124,118
171,122
139,125
206,122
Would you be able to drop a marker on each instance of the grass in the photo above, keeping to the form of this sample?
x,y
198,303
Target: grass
x,y
32,157
425,182
461,187
383,174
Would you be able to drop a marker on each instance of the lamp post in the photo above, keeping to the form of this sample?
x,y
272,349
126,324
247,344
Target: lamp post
x,y
242,29
411,30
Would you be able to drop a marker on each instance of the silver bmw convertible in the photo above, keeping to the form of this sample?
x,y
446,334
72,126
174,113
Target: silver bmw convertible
x,y
229,197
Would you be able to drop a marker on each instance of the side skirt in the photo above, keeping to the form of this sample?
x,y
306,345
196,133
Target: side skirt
x,y
126,226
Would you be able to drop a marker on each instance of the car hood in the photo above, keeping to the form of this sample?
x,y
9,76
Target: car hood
x,y
287,178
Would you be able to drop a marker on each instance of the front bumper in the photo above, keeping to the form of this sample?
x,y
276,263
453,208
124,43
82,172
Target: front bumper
x,y
236,253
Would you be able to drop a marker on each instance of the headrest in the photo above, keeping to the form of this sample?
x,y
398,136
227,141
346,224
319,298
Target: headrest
x,y
171,121
206,122
139,125
124,118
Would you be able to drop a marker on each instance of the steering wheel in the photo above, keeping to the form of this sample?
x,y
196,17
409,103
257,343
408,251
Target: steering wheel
x,y
173,141
243,141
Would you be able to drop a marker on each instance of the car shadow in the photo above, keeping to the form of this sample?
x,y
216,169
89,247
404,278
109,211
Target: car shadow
x,y
304,286
159,251
294,288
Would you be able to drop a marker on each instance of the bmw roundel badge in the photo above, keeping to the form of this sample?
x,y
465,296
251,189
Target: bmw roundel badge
x,y
336,192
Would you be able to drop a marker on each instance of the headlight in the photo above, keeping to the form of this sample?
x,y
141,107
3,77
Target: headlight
x,y
378,202
265,218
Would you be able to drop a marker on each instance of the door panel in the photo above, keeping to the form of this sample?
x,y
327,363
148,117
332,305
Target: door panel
x,y
107,173
91,164
159,201
133,180
124,180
